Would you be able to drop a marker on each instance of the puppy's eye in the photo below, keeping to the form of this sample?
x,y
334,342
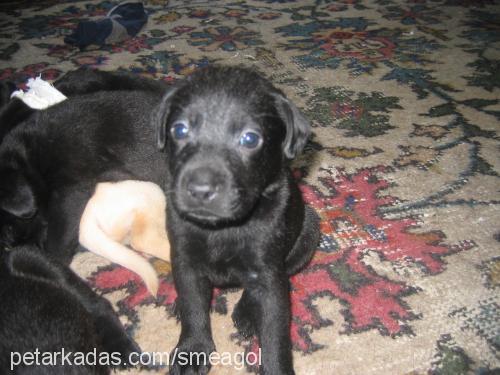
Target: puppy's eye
x,y
180,130
250,139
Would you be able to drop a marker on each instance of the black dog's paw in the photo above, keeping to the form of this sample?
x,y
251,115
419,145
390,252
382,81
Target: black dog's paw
x,y
243,319
191,358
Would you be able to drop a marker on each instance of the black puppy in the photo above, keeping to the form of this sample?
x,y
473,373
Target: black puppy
x,y
51,162
236,216
47,308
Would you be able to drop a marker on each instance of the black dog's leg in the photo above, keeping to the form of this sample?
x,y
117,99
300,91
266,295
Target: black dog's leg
x,y
270,298
244,315
193,302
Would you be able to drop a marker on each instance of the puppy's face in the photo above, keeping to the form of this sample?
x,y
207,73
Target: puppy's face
x,y
227,132
222,154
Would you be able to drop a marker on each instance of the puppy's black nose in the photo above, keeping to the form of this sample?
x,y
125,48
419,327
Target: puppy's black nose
x,y
202,185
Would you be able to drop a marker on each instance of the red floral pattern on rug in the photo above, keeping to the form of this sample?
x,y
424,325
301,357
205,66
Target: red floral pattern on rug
x,y
349,219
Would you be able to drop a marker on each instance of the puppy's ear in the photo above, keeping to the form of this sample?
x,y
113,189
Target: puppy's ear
x,y
160,117
17,196
297,126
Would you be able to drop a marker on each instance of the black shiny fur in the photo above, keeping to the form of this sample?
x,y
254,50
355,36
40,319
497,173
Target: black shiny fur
x,y
46,307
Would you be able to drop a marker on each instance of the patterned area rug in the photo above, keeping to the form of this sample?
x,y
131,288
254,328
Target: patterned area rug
x,y
403,168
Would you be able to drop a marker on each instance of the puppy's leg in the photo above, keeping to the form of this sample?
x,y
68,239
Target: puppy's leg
x,y
148,234
269,296
244,315
193,301
94,239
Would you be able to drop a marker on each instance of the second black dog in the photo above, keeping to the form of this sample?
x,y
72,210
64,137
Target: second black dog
x,y
236,216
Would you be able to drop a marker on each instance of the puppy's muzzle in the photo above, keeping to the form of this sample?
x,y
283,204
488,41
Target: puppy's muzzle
x,y
203,185
204,193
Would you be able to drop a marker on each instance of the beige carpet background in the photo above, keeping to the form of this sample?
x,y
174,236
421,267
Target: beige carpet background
x,y
403,168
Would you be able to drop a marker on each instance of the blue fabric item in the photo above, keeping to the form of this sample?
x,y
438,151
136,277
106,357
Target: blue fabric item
x,y
129,15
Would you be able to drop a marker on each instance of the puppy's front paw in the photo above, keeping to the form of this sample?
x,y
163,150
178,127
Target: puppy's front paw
x,y
243,319
191,358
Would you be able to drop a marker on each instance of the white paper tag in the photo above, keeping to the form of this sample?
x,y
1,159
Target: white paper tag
x,y
41,94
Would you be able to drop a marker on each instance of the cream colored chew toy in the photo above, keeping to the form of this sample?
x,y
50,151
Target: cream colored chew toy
x,y
127,212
